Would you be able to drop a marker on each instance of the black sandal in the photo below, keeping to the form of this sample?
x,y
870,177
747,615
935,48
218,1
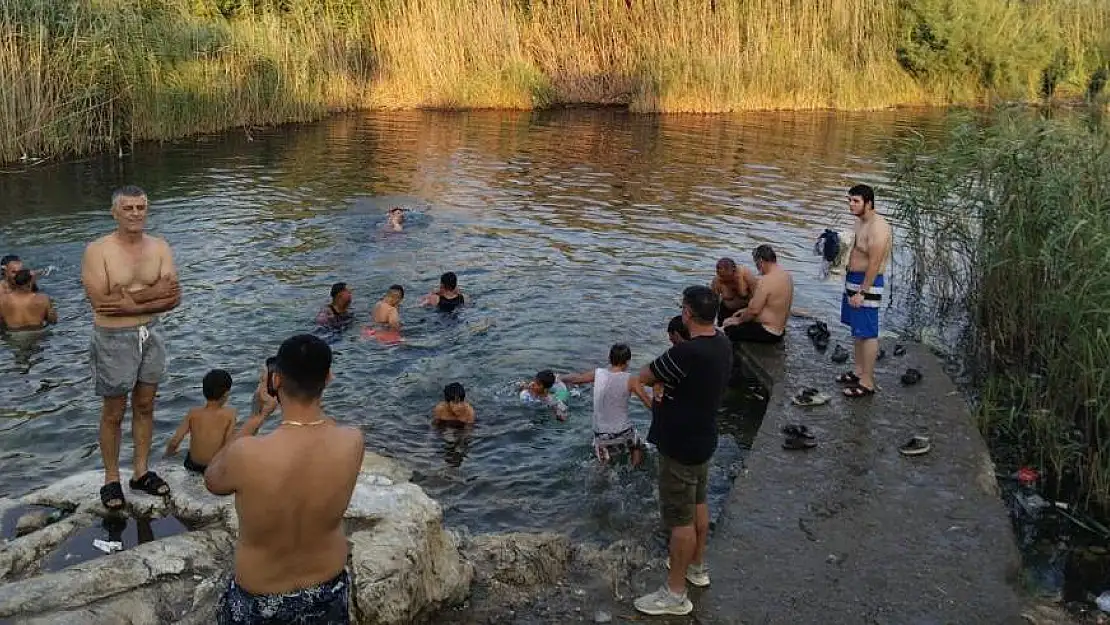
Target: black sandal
x,y
797,431
858,390
112,491
848,377
911,377
794,443
840,355
151,484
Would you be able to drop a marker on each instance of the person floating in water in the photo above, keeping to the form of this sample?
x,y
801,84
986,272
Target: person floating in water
x,y
395,220
447,297
454,408
613,429
386,317
337,314
547,389
209,427
734,285
764,319
22,308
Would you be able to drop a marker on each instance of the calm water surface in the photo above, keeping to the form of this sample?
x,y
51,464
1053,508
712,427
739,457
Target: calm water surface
x,y
569,231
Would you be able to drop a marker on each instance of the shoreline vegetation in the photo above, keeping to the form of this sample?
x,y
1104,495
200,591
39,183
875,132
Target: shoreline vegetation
x,y
83,76
1008,217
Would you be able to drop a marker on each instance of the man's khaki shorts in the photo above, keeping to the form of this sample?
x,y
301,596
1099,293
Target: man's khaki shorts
x,y
681,488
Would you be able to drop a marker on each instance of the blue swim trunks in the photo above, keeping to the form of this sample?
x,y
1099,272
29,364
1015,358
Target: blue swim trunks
x,y
323,604
864,321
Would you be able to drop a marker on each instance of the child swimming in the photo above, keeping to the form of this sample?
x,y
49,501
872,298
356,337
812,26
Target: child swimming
x,y
547,389
386,317
454,408
614,431
209,427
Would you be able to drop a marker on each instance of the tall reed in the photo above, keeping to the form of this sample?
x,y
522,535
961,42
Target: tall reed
x,y
85,75
1012,214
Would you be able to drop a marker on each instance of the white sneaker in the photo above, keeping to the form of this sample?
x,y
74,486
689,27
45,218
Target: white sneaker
x,y
696,574
663,601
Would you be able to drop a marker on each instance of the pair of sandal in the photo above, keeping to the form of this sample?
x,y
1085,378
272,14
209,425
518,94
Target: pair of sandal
x,y
111,494
798,437
852,386
818,332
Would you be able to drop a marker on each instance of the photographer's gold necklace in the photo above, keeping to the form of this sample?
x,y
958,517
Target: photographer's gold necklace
x,y
300,424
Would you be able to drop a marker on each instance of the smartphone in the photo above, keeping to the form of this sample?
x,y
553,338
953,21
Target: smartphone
x,y
270,376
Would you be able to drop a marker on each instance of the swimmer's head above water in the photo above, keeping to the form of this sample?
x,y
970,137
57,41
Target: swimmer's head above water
x,y
542,383
396,217
395,294
726,268
340,295
11,265
454,393
676,330
449,281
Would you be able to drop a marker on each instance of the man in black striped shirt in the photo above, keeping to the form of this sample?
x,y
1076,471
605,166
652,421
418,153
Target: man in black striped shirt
x,y
694,375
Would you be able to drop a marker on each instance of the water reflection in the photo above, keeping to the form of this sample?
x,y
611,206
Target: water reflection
x,y
569,231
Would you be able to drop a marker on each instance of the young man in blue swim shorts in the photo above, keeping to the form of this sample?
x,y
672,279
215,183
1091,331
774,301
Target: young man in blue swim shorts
x,y
863,289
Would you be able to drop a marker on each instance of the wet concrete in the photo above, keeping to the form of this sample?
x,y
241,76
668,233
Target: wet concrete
x,y
852,531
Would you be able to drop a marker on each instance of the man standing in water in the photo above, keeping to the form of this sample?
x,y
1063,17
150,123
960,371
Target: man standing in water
x,y
22,308
291,488
764,319
337,314
863,289
695,375
129,277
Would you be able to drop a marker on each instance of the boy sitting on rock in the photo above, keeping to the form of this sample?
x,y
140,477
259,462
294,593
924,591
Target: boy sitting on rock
x,y
210,426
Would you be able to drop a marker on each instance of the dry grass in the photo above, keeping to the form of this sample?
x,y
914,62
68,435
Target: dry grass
x,y
81,76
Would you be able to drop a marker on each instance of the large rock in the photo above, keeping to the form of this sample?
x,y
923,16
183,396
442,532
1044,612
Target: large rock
x,y
403,562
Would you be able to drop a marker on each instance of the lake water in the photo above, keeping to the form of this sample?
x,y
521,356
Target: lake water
x,y
569,230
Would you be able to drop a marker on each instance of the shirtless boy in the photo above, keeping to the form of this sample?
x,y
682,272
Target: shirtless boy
x,y
734,285
447,297
22,308
129,278
764,319
292,487
613,386
387,313
395,220
863,289
547,389
454,408
210,426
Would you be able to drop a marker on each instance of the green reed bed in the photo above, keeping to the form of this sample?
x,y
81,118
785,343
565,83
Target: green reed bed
x,y
1012,216
82,75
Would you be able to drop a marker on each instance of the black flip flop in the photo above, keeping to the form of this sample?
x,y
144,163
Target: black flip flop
x,y
840,355
151,484
794,443
797,431
854,391
821,342
899,350
911,377
112,491
848,377
816,329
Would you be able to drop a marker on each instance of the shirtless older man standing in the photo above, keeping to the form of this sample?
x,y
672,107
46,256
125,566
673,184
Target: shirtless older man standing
x,y
129,278
292,488
863,289
764,319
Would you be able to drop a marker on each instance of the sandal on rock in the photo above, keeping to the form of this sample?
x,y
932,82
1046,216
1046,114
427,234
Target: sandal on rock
x,y
858,390
797,431
840,355
794,443
899,350
805,398
848,377
816,329
112,492
911,377
916,446
151,484
821,343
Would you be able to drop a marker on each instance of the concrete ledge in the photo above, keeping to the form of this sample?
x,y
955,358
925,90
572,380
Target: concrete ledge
x,y
851,531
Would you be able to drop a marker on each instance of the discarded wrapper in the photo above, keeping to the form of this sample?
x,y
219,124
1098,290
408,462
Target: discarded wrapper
x,y
108,546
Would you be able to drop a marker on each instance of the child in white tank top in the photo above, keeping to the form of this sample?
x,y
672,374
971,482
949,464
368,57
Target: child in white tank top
x,y
613,429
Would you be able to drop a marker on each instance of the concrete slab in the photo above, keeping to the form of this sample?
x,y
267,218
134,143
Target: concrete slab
x,y
851,531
